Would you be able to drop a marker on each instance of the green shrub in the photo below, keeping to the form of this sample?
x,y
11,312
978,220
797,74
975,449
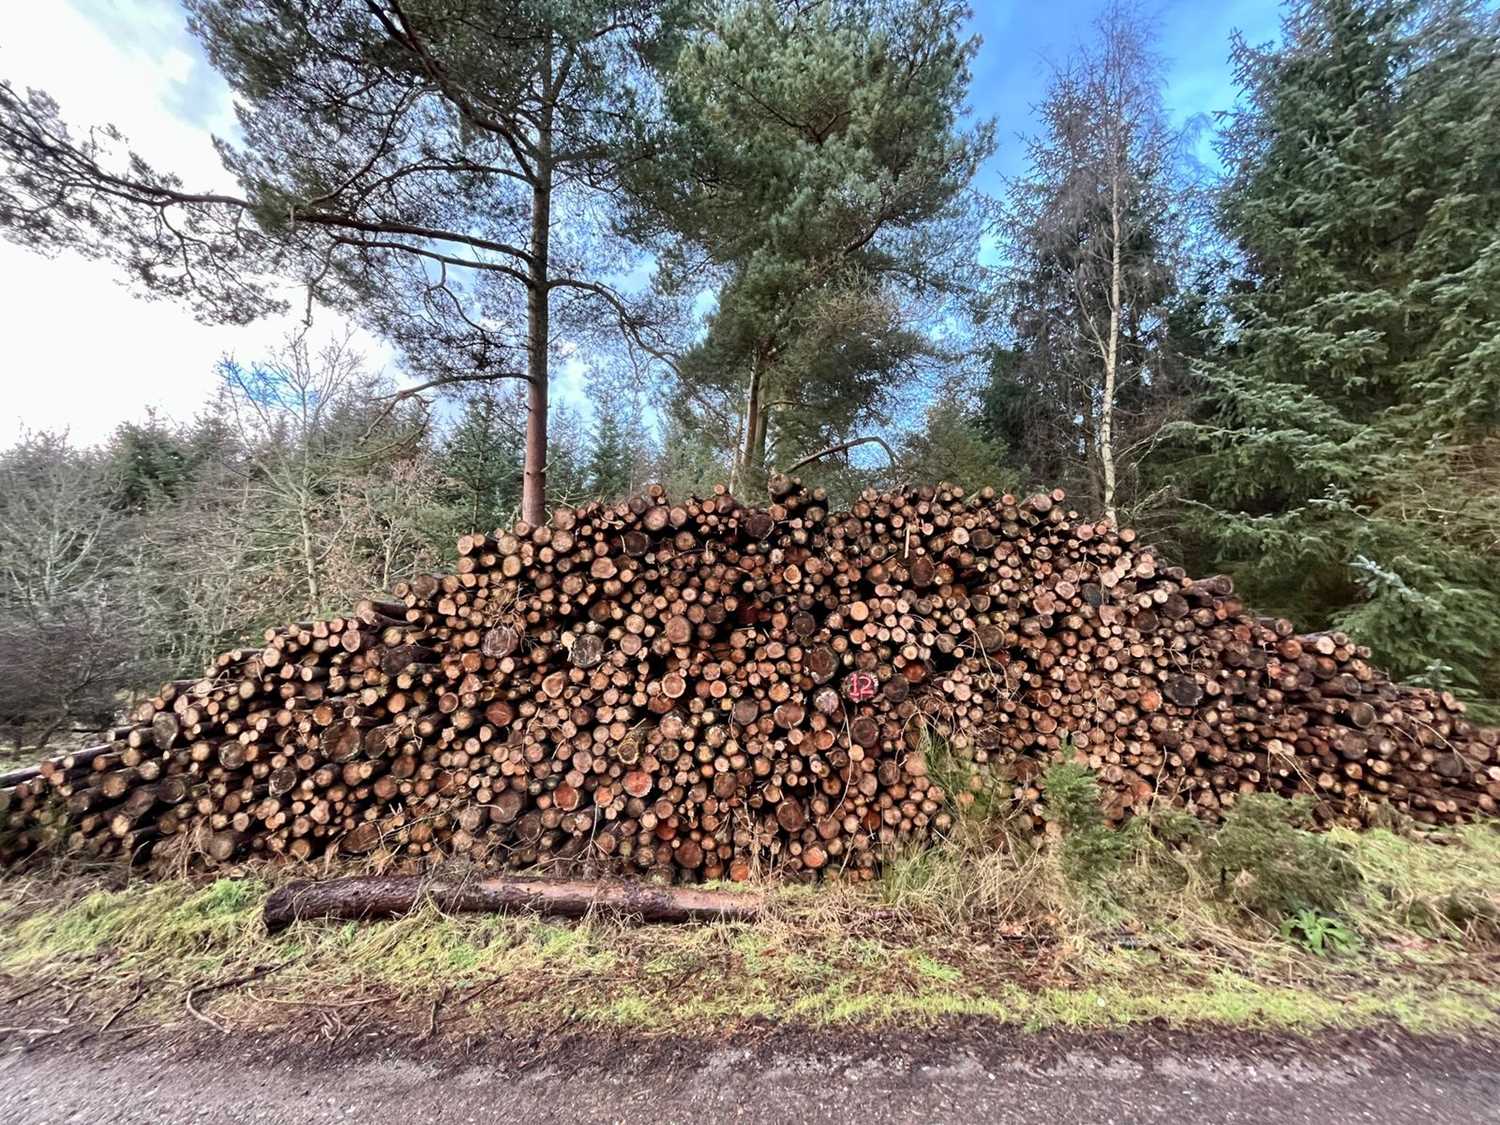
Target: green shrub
x,y
1091,851
1262,860
1172,827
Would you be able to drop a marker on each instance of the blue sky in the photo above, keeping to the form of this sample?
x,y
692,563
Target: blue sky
x,y
133,62
1022,42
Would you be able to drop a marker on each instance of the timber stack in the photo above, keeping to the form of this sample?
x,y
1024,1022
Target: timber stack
x,y
710,690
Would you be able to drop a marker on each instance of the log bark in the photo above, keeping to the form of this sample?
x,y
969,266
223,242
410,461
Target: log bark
x,y
12,778
369,897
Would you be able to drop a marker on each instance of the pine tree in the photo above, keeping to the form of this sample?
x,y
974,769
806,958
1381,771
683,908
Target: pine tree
x,y
1348,469
408,162
952,446
815,175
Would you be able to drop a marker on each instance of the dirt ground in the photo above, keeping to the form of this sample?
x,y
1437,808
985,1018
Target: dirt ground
x,y
968,1072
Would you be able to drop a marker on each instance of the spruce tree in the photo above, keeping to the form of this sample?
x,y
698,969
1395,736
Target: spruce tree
x,y
610,462
952,446
567,457
691,462
1348,465
482,458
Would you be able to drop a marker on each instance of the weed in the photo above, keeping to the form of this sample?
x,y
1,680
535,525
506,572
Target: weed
x,y
1091,850
934,969
1319,934
983,925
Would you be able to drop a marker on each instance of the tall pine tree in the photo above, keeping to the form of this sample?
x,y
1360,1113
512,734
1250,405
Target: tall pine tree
x,y
815,174
1349,466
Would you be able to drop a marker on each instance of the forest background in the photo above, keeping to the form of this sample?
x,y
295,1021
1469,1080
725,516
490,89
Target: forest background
x,y
1270,339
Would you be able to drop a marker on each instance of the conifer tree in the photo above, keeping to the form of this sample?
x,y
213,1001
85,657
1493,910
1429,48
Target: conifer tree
x,y
691,462
411,162
1348,468
610,463
482,457
567,456
815,175
952,446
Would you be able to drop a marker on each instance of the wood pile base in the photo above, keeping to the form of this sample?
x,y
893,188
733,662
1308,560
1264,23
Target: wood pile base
x,y
707,690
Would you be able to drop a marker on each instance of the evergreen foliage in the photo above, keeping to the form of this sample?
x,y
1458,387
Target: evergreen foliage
x,y
567,457
1261,859
407,163
691,462
482,458
1091,850
952,446
149,462
817,169
1346,464
610,470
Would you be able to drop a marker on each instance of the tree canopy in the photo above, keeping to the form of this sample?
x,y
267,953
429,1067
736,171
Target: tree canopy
x,y
1347,461
817,163
443,169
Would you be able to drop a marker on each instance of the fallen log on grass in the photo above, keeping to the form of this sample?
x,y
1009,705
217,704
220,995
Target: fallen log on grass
x,y
367,897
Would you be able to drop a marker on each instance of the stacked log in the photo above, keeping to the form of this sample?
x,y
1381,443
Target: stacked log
x,y
709,690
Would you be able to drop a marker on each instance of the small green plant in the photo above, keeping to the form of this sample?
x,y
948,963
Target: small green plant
x,y
1091,851
1262,860
1319,934
976,801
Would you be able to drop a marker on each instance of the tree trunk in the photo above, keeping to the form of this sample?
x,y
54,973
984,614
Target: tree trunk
x,y
309,555
534,475
750,464
388,896
1111,355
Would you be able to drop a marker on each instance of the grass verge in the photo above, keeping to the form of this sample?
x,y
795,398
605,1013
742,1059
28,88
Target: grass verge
x,y
978,926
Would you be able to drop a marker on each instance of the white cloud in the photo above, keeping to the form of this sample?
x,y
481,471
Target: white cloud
x,y
78,350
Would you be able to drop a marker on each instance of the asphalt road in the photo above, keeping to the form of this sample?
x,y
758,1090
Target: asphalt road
x,y
967,1074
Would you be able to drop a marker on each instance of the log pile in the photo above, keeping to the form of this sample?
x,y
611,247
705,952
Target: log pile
x,y
709,690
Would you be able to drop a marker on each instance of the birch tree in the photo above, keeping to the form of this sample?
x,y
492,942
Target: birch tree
x,y
67,634
1093,231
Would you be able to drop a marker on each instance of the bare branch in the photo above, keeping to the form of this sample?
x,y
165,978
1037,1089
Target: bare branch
x,y
842,447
